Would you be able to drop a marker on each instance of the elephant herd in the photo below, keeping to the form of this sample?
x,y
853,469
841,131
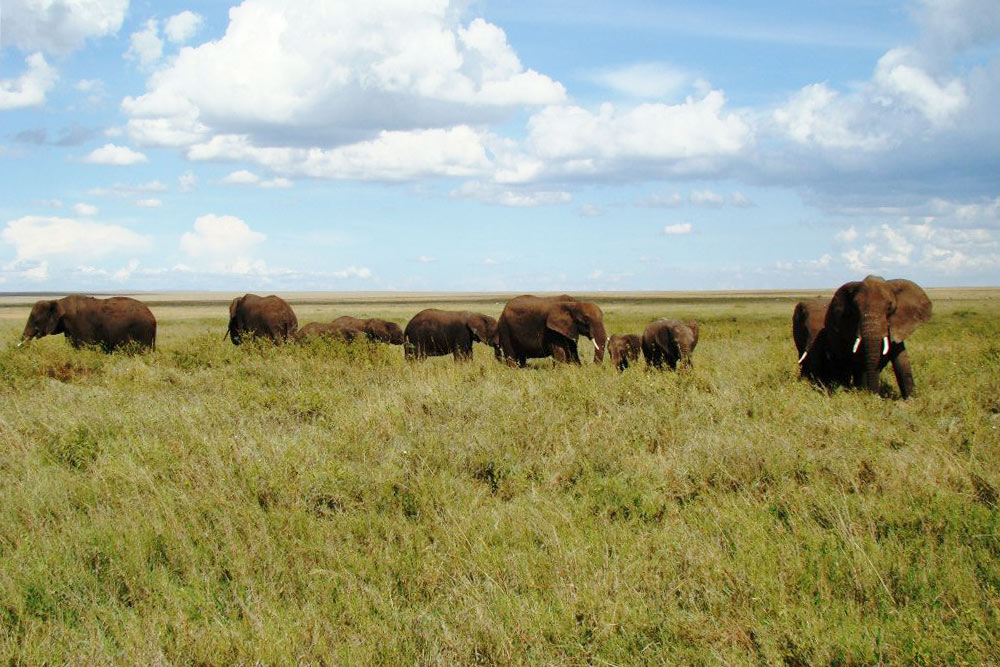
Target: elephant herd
x,y
844,340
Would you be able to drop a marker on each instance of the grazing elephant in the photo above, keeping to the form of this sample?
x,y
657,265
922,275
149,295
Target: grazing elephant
x,y
84,320
864,328
669,341
433,333
624,349
263,317
531,327
807,322
349,329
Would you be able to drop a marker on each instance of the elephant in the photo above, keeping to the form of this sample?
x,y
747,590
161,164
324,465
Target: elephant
x,y
807,323
433,333
349,329
624,349
262,317
85,320
864,328
531,327
669,341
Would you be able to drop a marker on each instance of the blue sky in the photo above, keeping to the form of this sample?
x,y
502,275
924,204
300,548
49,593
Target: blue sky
x,y
486,145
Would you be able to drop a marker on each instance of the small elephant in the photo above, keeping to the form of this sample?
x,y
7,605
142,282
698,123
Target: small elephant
x,y
624,349
433,333
669,341
863,331
84,320
531,327
349,329
263,317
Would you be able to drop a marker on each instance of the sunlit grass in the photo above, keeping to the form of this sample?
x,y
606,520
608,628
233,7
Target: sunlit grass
x,y
207,503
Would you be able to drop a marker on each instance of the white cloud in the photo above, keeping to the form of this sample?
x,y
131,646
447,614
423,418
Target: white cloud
x,y
707,198
956,25
910,246
897,74
490,193
181,27
817,115
126,190
145,45
683,135
111,154
590,211
426,259
149,202
660,200
353,272
848,235
29,89
645,80
341,71
41,237
85,209
678,229
222,243
187,181
740,200
59,26
244,177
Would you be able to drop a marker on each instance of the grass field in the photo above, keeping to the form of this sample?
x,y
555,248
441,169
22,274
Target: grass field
x,y
206,504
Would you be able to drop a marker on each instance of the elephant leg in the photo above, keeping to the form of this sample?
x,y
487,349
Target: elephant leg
x,y
559,353
904,373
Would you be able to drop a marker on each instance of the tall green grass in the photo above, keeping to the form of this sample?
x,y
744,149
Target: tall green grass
x,y
328,503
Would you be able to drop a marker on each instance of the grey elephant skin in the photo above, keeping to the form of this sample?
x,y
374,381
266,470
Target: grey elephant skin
x,y
85,320
532,327
349,329
624,349
669,342
267,317
434,333
864,329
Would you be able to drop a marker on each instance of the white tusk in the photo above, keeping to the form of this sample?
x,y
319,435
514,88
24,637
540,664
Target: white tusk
x,y
885,346
20,344
803,357
857,344
596,347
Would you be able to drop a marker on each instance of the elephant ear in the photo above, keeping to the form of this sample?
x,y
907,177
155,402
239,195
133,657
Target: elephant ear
x,y
913,308
561,321
478,326
233,305
53,322
840,306
693,326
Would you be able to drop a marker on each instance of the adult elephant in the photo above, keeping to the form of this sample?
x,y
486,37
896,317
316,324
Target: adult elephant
x,y
864,329
624,349
262,317
84,320
433,333
531,327
349,329
808,320
670,342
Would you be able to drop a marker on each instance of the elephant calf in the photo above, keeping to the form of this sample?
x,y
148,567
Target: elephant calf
x,y
669,341
349,329
624,349
84,320
433,333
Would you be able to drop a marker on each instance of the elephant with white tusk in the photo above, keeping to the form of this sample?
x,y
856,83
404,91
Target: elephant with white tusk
x,y
532,327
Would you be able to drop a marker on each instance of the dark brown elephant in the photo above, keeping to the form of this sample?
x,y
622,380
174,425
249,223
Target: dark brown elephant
x,y
624,349
531,327
808,321
84,320
433,333
262,317
669,341
863,331
349,329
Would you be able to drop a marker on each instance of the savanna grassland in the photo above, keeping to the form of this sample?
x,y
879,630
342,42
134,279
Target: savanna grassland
x,y
207,504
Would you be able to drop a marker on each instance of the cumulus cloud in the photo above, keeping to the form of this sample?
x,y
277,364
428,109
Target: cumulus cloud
x,y
59,26
145,45
222,243
644,80
85,209
324,72
181,27
678,229
43,237
111,154
490,193
707,198
898,74
244,177
29,89
149,202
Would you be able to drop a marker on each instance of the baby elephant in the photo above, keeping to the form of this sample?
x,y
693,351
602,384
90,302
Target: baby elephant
x,y
349,329
624,349
669,341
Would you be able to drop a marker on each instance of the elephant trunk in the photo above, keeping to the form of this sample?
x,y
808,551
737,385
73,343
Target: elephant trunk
x,y
600,338
872,338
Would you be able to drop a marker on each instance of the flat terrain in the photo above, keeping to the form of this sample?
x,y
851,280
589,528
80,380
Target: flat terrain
x,y
329,503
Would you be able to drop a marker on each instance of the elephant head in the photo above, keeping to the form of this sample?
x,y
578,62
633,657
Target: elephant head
x,y
383,331
864,317
232,331
482,327
579,318
45,319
